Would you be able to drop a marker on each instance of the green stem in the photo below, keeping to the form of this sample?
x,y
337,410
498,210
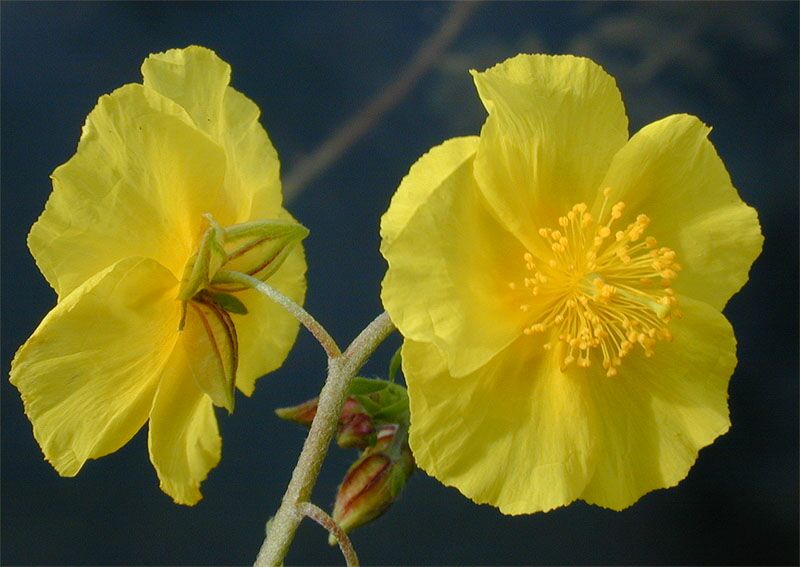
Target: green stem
x,y
305,318
341,370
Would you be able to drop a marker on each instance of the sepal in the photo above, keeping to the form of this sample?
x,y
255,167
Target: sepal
x,y
212,349
302,413
384,402
258,249
208,259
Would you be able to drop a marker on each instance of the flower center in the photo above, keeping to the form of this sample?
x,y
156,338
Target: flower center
x,y
599,291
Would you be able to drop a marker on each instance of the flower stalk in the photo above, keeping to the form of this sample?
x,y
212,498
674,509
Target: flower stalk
x,y
335,530
303,316
342,367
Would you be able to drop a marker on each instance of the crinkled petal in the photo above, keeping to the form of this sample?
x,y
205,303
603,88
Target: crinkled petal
x,y
654,417
197,79
554,124
267,332
450,261
89,372
515,433
137,186
183,439
671,172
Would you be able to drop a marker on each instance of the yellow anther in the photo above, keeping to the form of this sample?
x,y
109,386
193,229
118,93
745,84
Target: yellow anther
x,y
599,296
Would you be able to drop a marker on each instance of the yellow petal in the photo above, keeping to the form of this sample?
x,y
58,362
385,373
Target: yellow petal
x,y
137,186
654,417
515,433
672,173
88,373
212,350
267,332
554,124
450,262
183,439
197,79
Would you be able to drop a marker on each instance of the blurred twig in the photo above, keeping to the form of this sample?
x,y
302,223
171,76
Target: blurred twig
x,y
309,168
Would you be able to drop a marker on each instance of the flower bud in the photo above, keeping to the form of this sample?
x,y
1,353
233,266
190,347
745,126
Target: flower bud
x,y
375,480
355,426
303,413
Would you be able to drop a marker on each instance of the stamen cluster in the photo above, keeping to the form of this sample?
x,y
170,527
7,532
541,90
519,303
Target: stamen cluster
x,y
600,290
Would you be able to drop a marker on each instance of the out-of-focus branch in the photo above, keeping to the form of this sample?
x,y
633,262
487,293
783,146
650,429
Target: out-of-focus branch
x,y
310,167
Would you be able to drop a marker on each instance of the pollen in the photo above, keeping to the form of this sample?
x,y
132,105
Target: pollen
x,y
599,290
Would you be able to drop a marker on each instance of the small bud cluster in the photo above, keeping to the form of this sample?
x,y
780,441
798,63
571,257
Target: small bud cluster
x,y
374,419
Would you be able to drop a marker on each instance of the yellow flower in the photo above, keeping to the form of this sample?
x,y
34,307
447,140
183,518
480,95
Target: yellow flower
x,y
560,288
158,164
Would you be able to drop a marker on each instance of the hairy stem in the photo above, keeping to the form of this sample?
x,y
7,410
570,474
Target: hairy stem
x,y
341,370
323,519
305,318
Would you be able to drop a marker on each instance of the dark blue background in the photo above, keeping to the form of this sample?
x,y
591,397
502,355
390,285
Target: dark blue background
x,y
310,66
